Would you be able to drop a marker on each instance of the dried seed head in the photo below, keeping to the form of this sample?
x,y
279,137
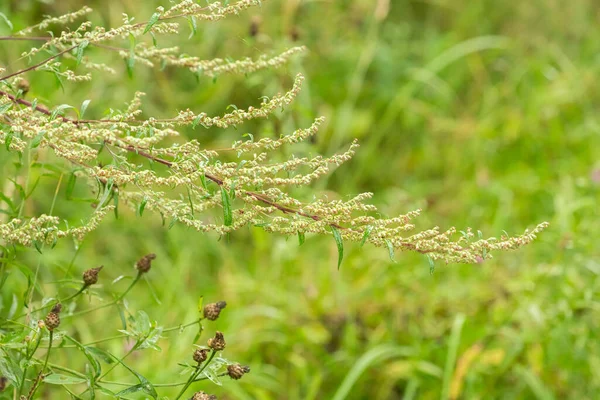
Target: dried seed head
x,y
236,371
3,382
52,321
218,342
203,396
294,34
24,86
255,25
143,265
200,355
212,310
90,276
57,308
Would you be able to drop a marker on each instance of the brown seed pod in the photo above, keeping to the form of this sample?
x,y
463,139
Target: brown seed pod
x,y
57,308
255,25
203,396
212,310
218,342
200,355
236,371
24,86
3,382
143,265
90,276
52,321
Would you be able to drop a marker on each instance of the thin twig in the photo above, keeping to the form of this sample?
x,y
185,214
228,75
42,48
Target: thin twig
x,y
22,71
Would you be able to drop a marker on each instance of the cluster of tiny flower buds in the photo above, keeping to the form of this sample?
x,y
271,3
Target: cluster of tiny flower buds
x,y
203,396
52,320
143,265
236,371
218,342
200,355
213,310
90,276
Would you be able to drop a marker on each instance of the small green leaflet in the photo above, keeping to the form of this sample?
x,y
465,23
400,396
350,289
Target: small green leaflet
x,y
193,26
390,248
143,205
84,107
59,379
366,235
301,238
80,50
35,142
153,20
59,110
431,265
5,107
197,120
6,20
131,59
340,244
8,140
227,215
71,185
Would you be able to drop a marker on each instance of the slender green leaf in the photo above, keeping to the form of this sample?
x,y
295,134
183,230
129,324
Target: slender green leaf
x,y
80,50
374,356
193,26
153,20
390,248
142,206
366,235
301,238
84,107
453,344
340,244
60,379
35,142
6,20
71,185
227,213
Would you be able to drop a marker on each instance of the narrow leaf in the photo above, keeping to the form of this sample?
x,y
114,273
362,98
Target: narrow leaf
x,y
84,107
227,215
301,238
6,20
71,185
390,248
80,50
153,20
366,235
60,379
340,244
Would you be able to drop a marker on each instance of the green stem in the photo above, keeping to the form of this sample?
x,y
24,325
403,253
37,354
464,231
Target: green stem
x,y
29,356
71,297
115,301
204,378
37,382
194,375
134,348
173,328
48,352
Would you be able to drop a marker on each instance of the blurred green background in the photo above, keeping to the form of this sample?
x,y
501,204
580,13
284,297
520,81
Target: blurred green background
x,y
483,113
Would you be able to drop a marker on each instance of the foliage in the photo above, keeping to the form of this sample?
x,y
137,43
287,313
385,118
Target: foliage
x,y
222,195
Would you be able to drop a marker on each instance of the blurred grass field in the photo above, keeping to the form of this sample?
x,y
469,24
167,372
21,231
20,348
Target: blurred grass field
x,y
484,114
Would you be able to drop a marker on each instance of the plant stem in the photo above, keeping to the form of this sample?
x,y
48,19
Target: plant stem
x,y
115,301
195,374
41,374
